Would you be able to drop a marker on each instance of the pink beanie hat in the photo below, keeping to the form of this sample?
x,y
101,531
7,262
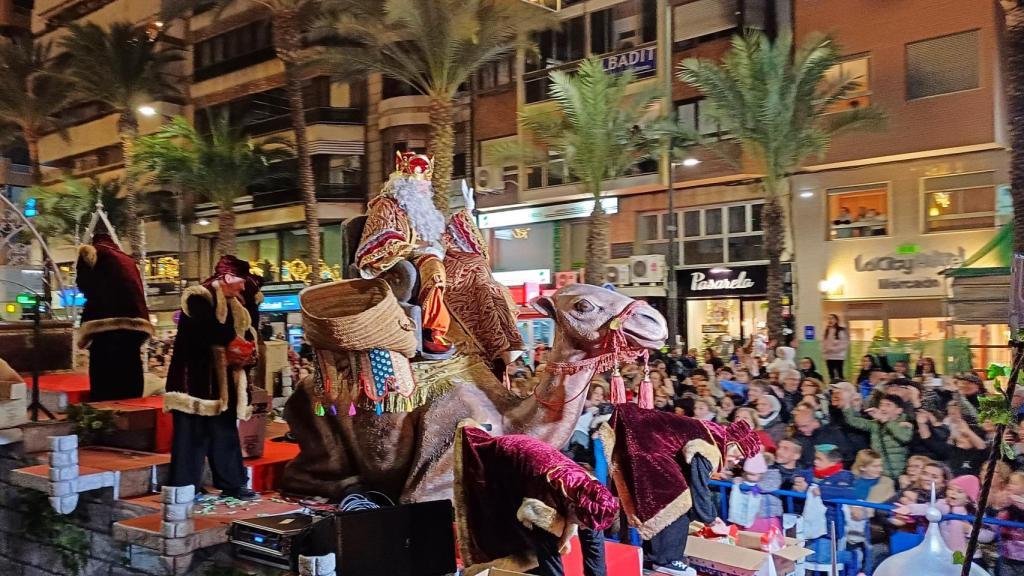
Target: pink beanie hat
x,y
969,484
755,464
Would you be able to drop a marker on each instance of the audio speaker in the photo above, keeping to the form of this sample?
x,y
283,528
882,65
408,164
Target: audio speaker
x,y
408,540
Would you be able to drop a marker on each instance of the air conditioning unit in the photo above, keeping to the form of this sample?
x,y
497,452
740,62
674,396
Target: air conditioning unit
x,y
489,179
647,269
565,278
617,273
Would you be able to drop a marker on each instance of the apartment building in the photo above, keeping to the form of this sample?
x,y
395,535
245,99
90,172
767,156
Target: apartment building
x,y
931,185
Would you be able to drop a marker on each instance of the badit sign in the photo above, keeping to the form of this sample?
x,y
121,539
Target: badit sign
x,y
643,61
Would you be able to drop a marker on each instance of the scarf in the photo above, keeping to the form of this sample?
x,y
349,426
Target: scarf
x,y
822,473
862,487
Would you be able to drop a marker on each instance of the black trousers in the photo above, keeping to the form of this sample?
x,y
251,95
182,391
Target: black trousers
x,y
199,437
545,545
835,370
115,365
668,545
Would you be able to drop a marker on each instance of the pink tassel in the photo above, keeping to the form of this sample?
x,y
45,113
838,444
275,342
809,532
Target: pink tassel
x,y
618,391
646,399
352,409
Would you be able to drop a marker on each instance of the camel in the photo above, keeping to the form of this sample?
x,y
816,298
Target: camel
x,y
409,455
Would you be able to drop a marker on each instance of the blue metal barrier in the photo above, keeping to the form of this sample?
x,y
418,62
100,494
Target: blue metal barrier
x,y
789,495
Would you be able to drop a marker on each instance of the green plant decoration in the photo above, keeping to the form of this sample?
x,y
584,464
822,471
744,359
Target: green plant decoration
x,y
44,524
91,423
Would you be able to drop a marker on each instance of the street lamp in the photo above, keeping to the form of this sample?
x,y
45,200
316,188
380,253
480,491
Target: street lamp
x,y
673,238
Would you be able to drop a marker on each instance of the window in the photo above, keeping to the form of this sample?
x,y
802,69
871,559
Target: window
x,y
942,65
623,26
234,50
553,173
711,235
959,202
345,170
690,118
853,69
495,74
858,211
703,18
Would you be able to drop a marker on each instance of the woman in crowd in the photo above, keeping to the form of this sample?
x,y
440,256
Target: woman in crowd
x,y
769,411
835,342
809,370
750,416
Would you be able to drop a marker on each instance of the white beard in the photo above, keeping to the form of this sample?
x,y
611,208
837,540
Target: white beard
x,y
414,197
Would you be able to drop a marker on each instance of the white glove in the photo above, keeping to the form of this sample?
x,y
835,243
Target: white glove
x,y
467,196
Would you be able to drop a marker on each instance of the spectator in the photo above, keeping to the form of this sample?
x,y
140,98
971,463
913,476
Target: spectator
x,y
931,439
961,498
727,405
844,394
969,387
967,446
871,486
926,368
699,383
660,383
934,474
900,369
756,390
1011,541
809,432
834,345
704,408
812,391
915,464
711,357
663,402
787,459
808,369
791,395
727,382
750,416
762,479
769,413
784,356
890,431
831,482
867,364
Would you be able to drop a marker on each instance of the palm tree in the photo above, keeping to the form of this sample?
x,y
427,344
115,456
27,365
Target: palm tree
x,y
219,165
34,92
778,105
122,67
434,46
65,209
291,19
596,127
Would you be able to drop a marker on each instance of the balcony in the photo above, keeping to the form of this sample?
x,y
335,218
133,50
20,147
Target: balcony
x,y
321,115
233,64
290,194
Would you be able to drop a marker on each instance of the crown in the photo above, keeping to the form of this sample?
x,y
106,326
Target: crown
x,y
418,166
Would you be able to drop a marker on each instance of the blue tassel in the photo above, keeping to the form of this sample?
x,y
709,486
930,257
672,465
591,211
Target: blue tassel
x,y
379,408
333,410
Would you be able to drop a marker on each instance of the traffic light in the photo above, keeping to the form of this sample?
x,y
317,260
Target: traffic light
x,y
31,209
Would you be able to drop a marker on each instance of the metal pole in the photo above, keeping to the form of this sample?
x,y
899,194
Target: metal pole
x,y
670,280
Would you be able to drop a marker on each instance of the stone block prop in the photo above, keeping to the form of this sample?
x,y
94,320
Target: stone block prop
x,y
62,479
317,565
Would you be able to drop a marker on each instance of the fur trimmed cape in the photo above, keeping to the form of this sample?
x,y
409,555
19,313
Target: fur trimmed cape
x,y
502,481
199,380
112,286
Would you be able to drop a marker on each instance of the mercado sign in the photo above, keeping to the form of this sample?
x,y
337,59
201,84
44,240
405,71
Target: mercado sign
x,y
641,61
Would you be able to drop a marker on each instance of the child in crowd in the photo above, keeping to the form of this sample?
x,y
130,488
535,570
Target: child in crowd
x,y
787,457
762,479
961,498
831,482
915,464
1011,540
704,408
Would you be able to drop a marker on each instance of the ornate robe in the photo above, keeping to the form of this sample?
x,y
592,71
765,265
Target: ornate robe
x,y
461,285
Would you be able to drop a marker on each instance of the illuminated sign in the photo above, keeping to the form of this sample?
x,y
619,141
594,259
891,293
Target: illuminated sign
x,y
280,303
520,277
581,209
71,297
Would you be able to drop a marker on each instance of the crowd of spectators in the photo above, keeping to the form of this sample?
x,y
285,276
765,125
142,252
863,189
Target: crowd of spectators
x,y
886,435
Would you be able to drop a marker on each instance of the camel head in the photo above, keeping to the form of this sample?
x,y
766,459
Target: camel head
x,y
583,314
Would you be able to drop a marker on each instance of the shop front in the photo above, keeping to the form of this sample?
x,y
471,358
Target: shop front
x,y
724,305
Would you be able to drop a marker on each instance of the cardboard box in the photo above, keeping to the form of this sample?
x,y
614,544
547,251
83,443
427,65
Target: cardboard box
x,y
744,559
13,412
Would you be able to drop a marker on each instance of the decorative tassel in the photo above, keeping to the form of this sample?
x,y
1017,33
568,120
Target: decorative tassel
x,y
333,410
352,409
319,409
378,407
506,381
618,388
646,399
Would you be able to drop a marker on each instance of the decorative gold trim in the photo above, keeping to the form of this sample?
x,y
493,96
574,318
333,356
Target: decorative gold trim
x,y
533,512
705,449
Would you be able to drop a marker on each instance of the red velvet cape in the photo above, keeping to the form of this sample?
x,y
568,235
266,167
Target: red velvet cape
x,y
647,451
503,482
